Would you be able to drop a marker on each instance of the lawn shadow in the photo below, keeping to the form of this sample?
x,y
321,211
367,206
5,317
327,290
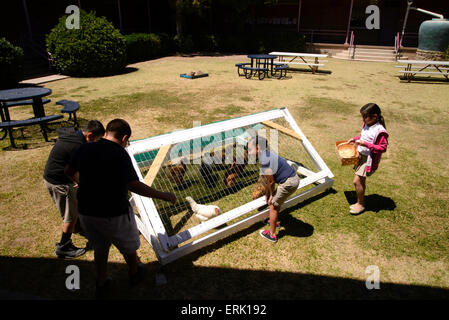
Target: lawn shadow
x,y
304,70
425,80
30,137
125,70
373,202
47,278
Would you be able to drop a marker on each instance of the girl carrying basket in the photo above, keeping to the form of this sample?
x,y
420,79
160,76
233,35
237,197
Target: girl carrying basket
x,y
371,143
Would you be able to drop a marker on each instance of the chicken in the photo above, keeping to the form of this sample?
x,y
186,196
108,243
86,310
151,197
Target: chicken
x,y
230,179
234,171
260,187
175,173
203,212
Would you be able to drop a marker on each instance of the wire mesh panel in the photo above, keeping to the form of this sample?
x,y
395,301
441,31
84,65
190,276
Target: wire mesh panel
x,y
216,180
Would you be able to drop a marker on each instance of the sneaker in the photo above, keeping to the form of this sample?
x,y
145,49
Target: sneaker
x,y
268,235
68,250
139,276
102,292
267,222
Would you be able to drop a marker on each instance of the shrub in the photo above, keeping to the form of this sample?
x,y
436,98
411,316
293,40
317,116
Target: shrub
x,y
95,49
447,54
184,43
11,64
144,46
206,42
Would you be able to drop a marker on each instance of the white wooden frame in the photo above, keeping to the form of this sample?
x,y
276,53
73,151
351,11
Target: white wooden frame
x,y
303,56
438,67
169,248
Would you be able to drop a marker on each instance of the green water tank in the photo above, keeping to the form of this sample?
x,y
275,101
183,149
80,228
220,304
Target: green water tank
x,y
434,35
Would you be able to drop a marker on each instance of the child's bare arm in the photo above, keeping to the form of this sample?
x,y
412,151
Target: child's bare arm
x,y
147,191
269,189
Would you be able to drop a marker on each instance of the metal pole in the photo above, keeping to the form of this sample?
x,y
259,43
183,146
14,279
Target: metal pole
x,y
439,16
349,22
299,12
27,17
79,4
149,16
409,3
120,16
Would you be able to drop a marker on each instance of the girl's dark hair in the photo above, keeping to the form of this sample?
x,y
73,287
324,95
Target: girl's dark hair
x,y
94,126
119,127
371,109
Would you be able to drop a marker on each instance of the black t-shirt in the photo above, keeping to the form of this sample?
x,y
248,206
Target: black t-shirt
x,y
69,141
105,169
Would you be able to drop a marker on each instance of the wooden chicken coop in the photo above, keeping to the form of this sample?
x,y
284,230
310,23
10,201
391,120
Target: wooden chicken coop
x,y
210,164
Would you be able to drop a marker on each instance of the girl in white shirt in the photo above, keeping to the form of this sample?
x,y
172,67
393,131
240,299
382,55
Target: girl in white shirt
x,y
371,143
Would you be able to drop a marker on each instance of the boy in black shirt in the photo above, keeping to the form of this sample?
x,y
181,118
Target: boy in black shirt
x,y
105,173
62,190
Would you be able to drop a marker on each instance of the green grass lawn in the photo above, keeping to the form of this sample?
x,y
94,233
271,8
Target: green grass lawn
x,y
322,251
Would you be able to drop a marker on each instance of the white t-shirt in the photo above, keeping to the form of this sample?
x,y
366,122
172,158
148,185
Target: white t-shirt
x,y
368,134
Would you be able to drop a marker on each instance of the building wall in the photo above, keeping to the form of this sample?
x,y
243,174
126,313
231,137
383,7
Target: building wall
x,y
319,20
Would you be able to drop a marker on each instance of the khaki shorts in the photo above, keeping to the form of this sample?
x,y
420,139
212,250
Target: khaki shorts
x,y
64,197
120,231
360,169
284,190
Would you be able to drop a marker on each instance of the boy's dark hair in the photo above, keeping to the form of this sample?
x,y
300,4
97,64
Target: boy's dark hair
x,y
259,141
94,126
119,127
373,109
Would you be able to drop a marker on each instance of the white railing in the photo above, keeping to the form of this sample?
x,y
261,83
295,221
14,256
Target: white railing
x,y
397,45
351,47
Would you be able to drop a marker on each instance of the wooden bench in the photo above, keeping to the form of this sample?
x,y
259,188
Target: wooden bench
x,y
70,107
313,65
8,125
412,67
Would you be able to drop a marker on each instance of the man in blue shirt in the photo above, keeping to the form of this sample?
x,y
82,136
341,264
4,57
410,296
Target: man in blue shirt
x,y
277,170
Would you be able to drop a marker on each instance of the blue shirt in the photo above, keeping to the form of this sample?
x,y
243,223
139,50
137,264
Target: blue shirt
x,y
281,169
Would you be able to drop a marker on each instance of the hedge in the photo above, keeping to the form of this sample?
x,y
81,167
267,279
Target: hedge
x,y
145,46
11,64
95,49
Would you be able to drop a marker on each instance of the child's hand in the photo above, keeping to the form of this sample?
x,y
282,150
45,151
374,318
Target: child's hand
x,y
360,142
171,197
350,140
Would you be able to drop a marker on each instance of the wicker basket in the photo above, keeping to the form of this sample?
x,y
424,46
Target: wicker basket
x,y
347,153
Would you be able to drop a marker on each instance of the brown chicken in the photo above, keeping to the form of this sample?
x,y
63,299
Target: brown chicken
x,y
234,171
175,173
260,187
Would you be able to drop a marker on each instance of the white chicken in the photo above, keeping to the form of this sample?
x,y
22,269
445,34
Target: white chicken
x,y
203,212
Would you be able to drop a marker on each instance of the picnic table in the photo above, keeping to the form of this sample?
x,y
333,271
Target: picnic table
x,y
20,97
263,66
295,58
410,68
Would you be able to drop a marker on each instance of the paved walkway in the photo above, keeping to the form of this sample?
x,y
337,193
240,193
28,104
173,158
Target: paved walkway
x,y
45,79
